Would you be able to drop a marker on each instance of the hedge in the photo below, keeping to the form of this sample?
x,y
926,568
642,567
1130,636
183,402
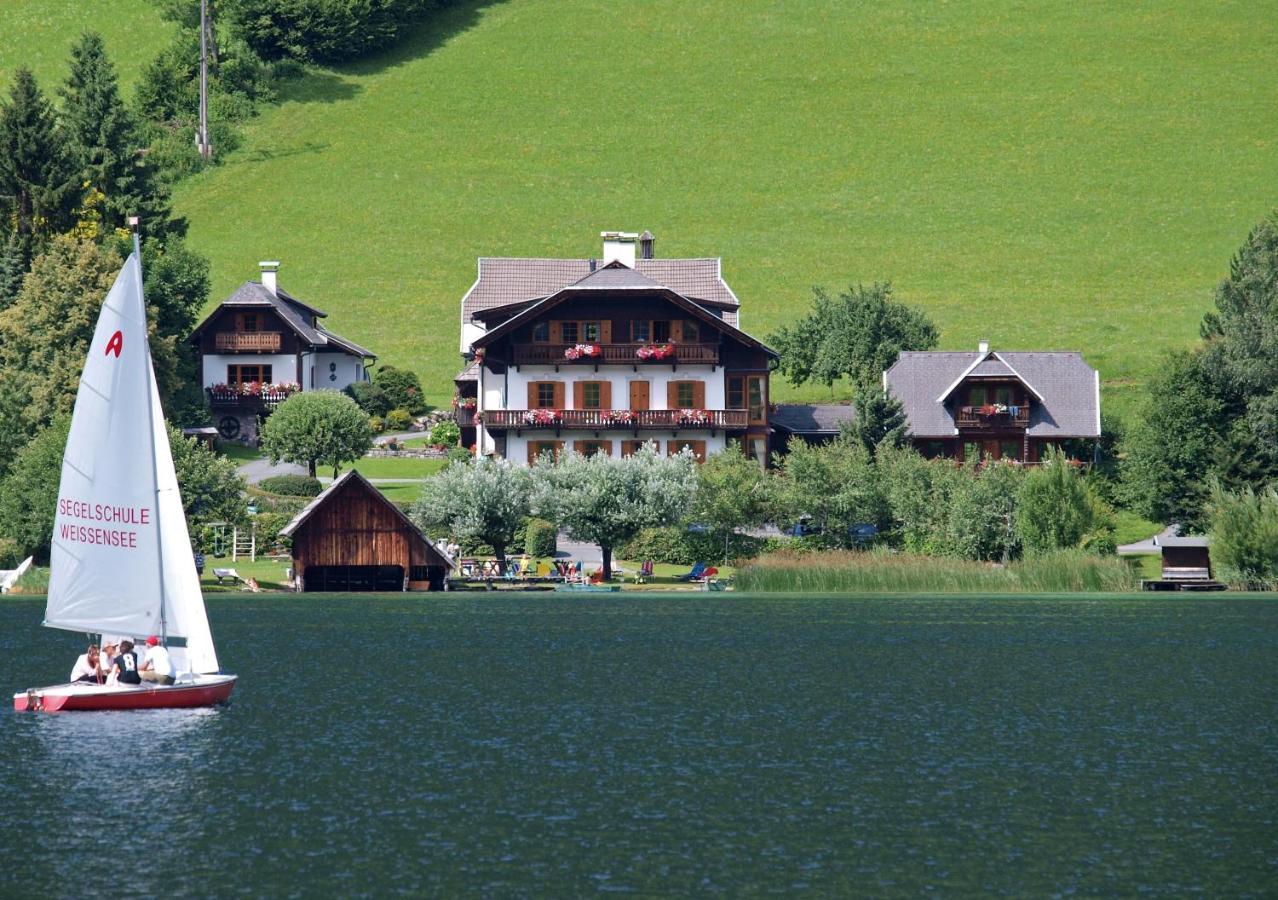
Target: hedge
x,y
684,548
291,485
540,538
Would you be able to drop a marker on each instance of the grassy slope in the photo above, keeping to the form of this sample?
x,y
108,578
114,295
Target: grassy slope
x,y
38,34
1069,177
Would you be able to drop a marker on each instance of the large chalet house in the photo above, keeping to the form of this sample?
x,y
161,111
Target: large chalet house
x,y
996,405
601,356
260,345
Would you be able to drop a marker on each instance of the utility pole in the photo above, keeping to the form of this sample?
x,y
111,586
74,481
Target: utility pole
x,y
202,134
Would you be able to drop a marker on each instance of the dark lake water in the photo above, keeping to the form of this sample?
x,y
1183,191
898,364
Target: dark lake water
x,y
666,745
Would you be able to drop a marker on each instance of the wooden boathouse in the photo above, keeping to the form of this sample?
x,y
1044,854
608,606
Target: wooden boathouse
x,y
351,538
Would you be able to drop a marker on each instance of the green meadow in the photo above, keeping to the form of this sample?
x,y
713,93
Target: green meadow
x,y
1050,176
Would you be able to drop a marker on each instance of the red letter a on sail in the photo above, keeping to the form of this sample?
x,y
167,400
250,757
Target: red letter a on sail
x,y
116,343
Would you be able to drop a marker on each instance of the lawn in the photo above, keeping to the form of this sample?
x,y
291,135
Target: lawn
x,y
1131,527
1064,176
397,467
239,452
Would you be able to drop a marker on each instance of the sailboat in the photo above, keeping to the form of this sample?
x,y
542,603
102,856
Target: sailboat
x,y
121,561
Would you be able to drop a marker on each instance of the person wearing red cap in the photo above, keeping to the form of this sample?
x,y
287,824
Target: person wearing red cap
x,y
158,666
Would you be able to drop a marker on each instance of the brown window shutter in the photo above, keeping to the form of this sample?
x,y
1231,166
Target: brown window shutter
x,y
532,452
605,447
559,395
578,394
559,449
579,446
556,333
676,330
605,331
605,395
698,450
699,394
672,395
532,395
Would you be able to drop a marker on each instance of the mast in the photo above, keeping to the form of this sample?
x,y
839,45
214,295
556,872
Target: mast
x,y
150,423
202,135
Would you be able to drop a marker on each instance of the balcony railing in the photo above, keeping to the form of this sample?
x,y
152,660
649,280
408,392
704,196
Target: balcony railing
x,y
247,341
464,417
600,419
264,400
984,417
617,354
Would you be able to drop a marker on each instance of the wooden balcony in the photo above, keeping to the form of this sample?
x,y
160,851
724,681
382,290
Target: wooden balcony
x,y
464,417
247,342
618,419
264,400
971,418
615,354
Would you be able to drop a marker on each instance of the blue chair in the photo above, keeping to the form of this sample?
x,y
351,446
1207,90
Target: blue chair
x,y
697,571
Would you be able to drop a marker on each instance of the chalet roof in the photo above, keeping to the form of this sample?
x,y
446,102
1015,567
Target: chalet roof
x,y
353,476
992,367
1068,387
1190,541
806,418
470,373
619,277
503,281
300,317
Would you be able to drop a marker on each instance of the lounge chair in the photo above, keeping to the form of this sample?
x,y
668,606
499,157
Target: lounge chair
x,y
222,574
697,571
709,573
644,573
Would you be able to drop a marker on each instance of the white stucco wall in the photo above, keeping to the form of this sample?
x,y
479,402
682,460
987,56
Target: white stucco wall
x,y
283,366
331,371
517,447
658,378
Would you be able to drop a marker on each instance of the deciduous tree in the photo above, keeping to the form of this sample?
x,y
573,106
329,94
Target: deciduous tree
x,y
857,334
29,493
732,493
481,499
607,500
212,489
316,427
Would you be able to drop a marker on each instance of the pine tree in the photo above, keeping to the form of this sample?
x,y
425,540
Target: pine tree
x,y
38,179
880,420
104,141
15,259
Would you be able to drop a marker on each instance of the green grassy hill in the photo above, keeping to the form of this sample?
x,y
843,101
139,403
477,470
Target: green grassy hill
x,y
1064,177
38,34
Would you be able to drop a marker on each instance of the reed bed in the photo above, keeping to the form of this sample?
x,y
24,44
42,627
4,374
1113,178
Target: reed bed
x,y
883,572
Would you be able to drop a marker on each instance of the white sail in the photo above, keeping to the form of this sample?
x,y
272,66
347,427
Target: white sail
x,y
118,503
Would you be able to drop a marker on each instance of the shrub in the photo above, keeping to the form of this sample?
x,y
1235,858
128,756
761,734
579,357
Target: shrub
x,y
459,454
541,538
1055,508
447,434
402,388
370,397
683,548
398,419
292,485
377,423
1244,532
10,553
268,526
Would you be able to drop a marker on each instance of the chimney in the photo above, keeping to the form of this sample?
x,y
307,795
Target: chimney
x,y
619,246
269,268
983,347
647,240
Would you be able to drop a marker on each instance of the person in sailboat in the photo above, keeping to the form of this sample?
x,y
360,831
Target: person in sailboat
x,y
89,666
158,666
125,669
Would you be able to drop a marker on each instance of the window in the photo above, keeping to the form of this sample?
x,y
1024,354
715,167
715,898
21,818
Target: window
x,y
246,322
590,332
736,392
977,396
541,333
1003,395
641,332
537,448
758,398
630,448
660,332
568,330
685,394
1009,449
593,448
247,374
933,449
691,332
545,395
590,395
698,448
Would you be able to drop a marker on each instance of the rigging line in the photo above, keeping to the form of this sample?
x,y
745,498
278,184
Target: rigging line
x,y
89,385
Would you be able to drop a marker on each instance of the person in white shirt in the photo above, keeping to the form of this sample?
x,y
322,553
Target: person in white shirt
x,y
158,665
89,666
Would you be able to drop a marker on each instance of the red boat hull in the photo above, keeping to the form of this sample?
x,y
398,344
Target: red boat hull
x,y
65,698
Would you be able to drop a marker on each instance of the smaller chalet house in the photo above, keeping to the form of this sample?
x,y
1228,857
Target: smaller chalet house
x,y
262,344
995,405
602,356
351,538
